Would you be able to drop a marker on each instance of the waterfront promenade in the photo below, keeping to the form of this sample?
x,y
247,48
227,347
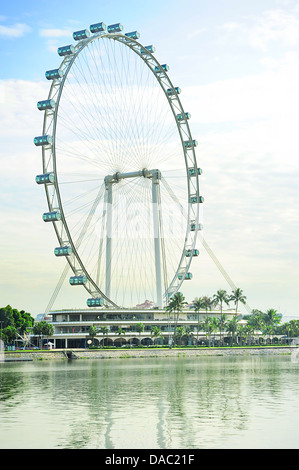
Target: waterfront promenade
x,y
148,352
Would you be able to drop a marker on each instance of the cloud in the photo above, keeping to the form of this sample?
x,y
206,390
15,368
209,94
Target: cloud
x,y
55,33
275,25
17,30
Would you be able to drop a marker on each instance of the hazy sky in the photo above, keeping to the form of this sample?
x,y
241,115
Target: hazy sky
x,y
237,63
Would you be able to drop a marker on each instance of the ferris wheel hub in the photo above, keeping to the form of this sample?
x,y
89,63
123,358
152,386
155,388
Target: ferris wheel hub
x,y
154,174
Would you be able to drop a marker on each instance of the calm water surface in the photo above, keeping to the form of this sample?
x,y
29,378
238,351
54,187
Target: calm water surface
x,y
200,403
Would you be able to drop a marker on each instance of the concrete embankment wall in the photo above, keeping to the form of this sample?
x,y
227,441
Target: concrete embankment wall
x,y
140,353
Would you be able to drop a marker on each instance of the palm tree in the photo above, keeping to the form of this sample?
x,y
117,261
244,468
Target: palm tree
x,y
104,330
176,305
271,320
140,329
198,304
220,297
222,323
214,327
92,332
156,332
179,333
237,296
207,303
207,327
120,331
232,326
255,320
189,334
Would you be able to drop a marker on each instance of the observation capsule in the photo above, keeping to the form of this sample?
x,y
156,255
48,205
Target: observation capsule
x,y
43,140
97,302
82,34
133,35
63,251
97,28
190,143
53,74
173,91
46,178
196,199
54,216
183,116
66,50
193,171
148,49
188,276
160,69
193,226
78,280
194,252
115,28
45,104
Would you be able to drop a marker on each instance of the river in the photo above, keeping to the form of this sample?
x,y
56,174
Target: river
x,y
151,403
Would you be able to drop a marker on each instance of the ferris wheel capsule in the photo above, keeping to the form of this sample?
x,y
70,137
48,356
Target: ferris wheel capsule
x,y
95,302
66,50
53,216
45,104
63,251
133,35
53,74
78,280
147,49
43,140
97,28
45,178
82,34
115,28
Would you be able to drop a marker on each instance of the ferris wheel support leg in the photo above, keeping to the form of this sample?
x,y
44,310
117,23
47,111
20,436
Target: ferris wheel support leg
x,y
108,238
156,208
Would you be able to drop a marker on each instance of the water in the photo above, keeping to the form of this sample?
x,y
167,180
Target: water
x,y
198,403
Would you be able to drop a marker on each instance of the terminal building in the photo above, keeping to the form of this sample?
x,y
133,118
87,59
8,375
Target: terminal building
x,y
127,327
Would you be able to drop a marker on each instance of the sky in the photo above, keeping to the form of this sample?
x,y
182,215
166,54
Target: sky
x,y
237,63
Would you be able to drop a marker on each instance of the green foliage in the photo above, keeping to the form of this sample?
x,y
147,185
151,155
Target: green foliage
x,y
13,318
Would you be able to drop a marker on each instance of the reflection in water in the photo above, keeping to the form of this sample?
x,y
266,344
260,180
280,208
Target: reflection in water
x,y
209,402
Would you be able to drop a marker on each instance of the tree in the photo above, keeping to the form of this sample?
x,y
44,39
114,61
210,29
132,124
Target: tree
x,y
93,331
156,332
255,321
214,325
237,296
140,329
120,331
176,305
207,303
104,330
9,334
222,323
6,317
188,335
232,327
198,304
271,320
178,334
41,329
221,297
207,327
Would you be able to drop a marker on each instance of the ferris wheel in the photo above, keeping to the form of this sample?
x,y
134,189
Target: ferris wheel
x,y
119,170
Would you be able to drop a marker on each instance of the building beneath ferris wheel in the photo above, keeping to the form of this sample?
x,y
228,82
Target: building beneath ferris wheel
x,y
72,327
